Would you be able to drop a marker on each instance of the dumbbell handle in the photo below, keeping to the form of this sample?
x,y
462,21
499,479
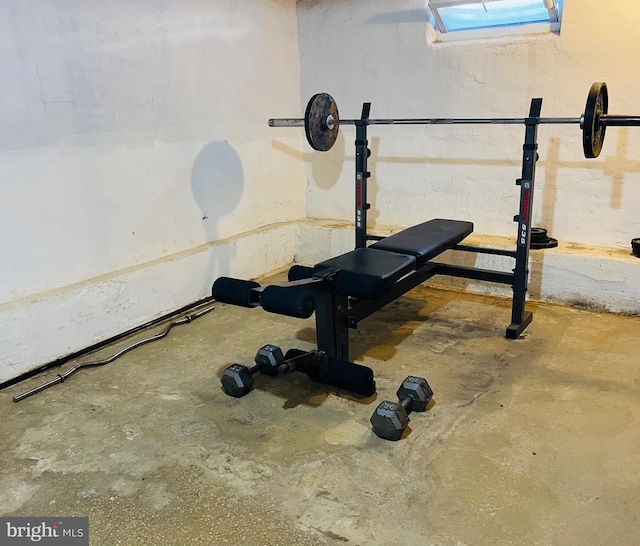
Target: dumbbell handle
x,y
253,370
406,404
300,362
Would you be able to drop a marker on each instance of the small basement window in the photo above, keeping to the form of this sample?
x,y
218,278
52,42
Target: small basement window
x,y
474,17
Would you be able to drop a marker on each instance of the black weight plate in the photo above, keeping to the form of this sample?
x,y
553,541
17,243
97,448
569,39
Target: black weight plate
x,y
635,247
541,245
592,130
319,136
539,235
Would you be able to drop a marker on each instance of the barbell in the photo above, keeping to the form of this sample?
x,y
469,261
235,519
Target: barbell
x,y
321,121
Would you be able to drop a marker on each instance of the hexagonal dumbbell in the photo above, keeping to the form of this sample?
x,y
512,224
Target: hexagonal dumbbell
x,y
237,380
391,418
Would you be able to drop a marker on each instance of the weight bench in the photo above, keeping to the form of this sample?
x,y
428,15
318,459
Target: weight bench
x,y
344,290
348,288
369,272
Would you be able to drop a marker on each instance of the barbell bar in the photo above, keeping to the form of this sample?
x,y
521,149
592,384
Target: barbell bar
x,y
321,121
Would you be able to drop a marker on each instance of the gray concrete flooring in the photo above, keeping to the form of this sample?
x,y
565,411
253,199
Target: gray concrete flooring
x,y
533,441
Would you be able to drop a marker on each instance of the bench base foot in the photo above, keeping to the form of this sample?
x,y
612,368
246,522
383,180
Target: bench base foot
x,y
516,328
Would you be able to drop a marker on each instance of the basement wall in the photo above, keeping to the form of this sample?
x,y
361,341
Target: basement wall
x,y
137,165
136,162
383,52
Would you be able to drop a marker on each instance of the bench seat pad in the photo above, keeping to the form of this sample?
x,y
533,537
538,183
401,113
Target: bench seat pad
x,y
426,240
368,273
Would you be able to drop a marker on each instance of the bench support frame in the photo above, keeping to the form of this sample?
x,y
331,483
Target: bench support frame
x,y
337,313
518,279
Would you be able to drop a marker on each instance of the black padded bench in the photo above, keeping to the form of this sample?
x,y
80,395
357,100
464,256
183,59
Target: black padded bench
x,y
370,272
367,273
425,241
344,290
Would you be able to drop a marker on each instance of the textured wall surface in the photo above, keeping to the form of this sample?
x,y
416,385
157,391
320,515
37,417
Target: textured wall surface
x,y
380,52
133,133
137,166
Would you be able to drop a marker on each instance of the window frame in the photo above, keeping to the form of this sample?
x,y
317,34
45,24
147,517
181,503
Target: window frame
x,y
554,7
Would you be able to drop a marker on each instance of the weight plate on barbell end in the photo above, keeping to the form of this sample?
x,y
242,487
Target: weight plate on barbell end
x,y
592,130
319,135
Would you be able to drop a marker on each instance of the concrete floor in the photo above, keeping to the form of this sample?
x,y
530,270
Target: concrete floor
x,y
534,441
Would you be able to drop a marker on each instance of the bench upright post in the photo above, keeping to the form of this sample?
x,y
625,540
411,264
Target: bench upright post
x,y
362,174
520,317
332,330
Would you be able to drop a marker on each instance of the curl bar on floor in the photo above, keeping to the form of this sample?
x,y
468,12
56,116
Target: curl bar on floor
x,y
321,121
63,376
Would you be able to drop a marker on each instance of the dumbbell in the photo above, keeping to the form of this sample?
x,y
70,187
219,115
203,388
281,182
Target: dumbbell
x,y
391,418
237,379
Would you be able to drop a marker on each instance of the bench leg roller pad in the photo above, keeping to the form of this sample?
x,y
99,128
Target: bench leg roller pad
x,y
348,376
234,291
292,302
299,272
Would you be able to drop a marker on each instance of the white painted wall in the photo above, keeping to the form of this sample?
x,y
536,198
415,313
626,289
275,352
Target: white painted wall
x,y
378,51
134,135
136,164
